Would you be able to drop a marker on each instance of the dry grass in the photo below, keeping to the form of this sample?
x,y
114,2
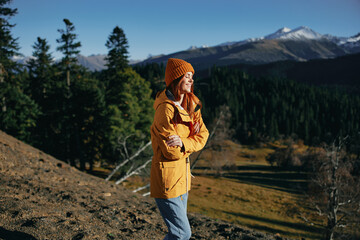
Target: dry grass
x,y
253,206
252,193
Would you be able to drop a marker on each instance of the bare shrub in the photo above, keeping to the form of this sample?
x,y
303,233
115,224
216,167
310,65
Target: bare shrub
x,y
334,189
220,158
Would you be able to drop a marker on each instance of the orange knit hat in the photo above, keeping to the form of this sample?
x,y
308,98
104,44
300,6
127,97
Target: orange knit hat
x,y
175,68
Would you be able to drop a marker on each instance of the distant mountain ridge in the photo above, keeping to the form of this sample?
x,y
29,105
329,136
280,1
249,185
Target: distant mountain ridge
x,y
299,44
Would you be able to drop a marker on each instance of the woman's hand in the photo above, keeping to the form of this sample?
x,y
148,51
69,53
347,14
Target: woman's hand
x,y
196,128
174,140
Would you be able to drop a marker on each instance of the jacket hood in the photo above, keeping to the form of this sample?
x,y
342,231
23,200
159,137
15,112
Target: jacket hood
x,y
164,97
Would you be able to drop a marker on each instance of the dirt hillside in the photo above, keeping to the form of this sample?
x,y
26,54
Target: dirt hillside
x,y
44,198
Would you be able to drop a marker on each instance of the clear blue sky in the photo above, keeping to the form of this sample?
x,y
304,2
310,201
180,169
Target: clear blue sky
x,y
167,26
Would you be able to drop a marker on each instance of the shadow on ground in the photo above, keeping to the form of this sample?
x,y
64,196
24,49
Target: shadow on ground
x,y
287,180
14,235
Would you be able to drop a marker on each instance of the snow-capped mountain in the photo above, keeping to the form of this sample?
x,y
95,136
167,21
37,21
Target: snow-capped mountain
x,y
195,47
354,39
300,33
21,59
278,33
351,42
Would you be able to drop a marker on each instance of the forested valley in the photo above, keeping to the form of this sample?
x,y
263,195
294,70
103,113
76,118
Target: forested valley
x,y
273,107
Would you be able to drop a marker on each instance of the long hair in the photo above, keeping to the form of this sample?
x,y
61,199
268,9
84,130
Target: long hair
x,y
190,101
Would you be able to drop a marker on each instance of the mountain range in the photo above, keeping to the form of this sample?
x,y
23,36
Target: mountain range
x,y
299,44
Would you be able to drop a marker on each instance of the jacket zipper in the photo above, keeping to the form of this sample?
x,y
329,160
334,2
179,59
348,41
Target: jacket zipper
x,y
187,174
187,160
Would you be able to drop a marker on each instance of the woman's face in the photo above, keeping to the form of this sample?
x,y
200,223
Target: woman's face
x,y
186,82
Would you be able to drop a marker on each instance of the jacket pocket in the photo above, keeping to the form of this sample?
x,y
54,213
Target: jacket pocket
x,y
170,175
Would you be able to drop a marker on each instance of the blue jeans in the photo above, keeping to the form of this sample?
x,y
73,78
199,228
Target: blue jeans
x,y
173,211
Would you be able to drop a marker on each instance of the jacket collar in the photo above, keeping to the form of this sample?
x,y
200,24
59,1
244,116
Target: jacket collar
x,y
169,95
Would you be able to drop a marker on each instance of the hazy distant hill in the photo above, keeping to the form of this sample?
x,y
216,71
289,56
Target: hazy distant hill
x,y
259,52
96,62
92,62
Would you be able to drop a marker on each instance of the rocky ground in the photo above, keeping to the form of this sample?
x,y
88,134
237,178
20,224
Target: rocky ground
x,y
44,198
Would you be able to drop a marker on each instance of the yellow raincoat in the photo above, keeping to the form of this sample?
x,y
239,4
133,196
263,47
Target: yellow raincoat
x,y
170,168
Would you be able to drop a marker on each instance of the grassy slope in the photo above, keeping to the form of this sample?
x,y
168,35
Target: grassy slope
x,y
251,193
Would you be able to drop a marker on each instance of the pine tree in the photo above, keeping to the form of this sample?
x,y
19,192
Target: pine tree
x,y
69,47
41,73
8,48
8,44
18,112
70,69
117,58
128,96
89,121
41,88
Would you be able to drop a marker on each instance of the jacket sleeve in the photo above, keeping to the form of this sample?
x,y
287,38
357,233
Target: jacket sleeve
x,y
196,142
163,128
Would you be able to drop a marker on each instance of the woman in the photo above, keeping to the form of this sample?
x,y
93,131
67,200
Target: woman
x,y
177,131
